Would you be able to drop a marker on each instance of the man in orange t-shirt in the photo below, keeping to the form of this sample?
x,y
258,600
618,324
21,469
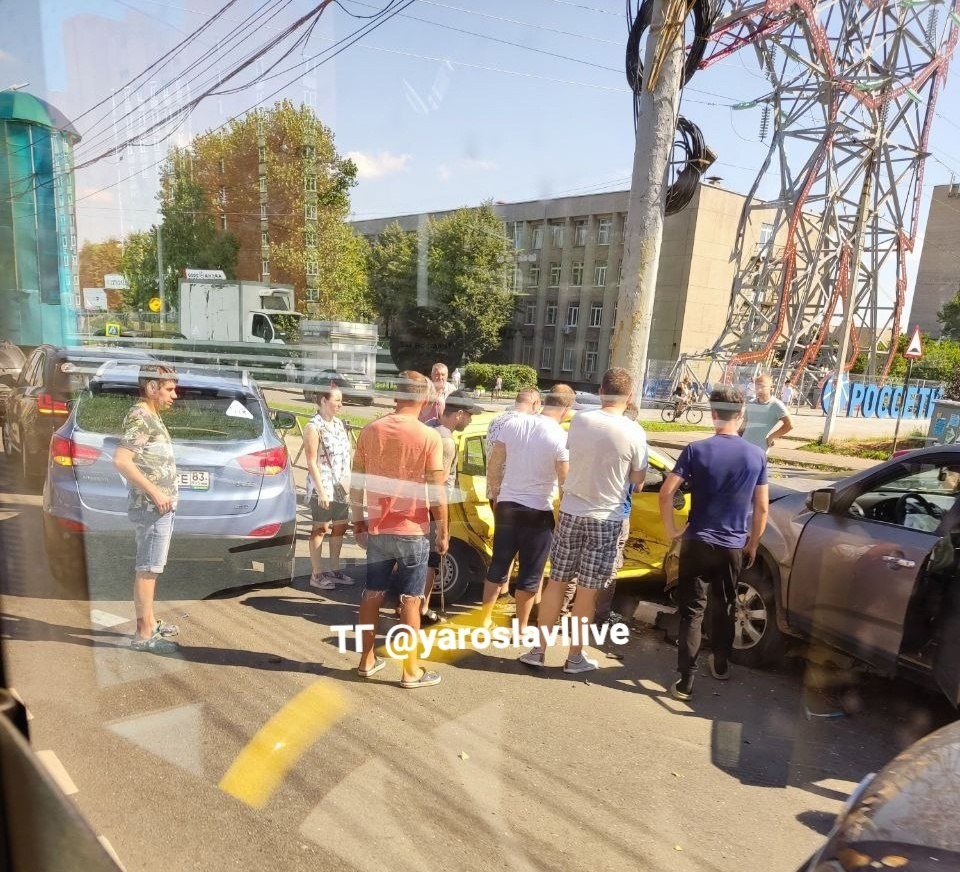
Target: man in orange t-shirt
x,y
398,465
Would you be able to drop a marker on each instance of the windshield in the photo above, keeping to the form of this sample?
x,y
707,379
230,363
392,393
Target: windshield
x,y
197,415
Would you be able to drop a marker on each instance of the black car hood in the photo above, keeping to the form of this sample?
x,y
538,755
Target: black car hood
x,y
914,801
779,491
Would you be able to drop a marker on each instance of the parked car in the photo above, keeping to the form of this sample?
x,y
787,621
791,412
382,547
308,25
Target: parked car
x,y
471,517
237,501
867,566
40,398
11,362
905,817
356,387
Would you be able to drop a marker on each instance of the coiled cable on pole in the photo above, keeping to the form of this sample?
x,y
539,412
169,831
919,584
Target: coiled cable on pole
x,y
698,158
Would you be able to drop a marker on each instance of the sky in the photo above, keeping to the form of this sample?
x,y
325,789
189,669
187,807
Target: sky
x,y
449,103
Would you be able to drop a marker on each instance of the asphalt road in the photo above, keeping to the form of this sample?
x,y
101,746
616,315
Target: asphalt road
x,y
258,748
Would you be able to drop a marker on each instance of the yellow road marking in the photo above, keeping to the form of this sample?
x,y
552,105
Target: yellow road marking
x,y
267,758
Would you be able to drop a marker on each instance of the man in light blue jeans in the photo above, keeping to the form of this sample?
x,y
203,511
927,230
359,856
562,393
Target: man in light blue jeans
x,y
145,459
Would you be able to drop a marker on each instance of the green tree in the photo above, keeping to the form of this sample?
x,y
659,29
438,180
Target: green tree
x,y
949,317
138,263
469,302
191,237
392,272
97,259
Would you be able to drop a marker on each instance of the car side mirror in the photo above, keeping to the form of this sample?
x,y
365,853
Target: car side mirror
x,y
821,500
283,420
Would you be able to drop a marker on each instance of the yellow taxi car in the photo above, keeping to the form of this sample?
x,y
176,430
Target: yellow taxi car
x,y
471,517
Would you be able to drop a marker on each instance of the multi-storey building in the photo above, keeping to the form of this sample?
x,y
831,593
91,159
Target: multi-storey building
x,y
568,270
938,277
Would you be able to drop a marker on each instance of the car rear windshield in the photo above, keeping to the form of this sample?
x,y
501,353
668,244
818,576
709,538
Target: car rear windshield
x,y
198,415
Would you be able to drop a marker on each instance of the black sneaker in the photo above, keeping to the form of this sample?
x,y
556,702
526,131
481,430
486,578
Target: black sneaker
x,y
683,688
719,669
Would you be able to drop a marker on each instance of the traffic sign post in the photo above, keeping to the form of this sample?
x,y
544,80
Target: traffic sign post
x,y
913,352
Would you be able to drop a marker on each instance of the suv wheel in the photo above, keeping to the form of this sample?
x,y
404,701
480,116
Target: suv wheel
x,y
757,639
459,569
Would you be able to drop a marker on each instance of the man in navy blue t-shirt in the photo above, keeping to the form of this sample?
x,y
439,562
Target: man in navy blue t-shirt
x,y
727,477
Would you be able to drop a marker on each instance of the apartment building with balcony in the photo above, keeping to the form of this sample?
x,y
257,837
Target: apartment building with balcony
x,y
568,274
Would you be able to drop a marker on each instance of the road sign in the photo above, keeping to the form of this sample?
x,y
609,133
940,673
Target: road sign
x,y
155,304
112,328
914,349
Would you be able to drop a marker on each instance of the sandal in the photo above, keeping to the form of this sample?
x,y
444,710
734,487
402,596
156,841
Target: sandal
x,y
426,679
378,664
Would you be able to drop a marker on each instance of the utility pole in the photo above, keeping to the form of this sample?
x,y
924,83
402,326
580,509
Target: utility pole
x,y
656,126
161,290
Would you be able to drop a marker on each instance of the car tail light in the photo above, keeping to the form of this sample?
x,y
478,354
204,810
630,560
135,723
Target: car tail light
x,y
66,452
47,405
270,462
71,526
267,531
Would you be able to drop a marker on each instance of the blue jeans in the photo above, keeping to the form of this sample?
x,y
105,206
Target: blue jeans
x,y
154,532
407,553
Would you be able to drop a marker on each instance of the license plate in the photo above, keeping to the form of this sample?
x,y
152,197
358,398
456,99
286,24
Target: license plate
x,y
194,480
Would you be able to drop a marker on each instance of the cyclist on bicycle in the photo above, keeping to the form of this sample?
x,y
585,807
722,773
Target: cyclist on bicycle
x,y
682,396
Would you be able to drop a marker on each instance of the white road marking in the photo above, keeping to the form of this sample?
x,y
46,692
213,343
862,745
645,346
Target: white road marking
x,y
56,769
103,840
105,619
19,699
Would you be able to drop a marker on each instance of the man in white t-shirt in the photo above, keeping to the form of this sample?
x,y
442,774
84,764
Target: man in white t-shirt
x,y
607,451
763,413
525,465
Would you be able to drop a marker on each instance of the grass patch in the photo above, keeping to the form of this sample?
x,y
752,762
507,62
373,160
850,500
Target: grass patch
x,y
673,427
868,449
305,411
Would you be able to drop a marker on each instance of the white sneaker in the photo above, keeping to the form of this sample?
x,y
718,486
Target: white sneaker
x,y
533,658
340,578
581,664
322,582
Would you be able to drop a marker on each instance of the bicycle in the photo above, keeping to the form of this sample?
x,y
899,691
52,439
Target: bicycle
x,y
671,413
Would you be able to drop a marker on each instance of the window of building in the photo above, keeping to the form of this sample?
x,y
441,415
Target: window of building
x,y
580,234
576,273
526,354
310,210
620,272
554,275
517,282
567,362
310,238
533,276
590,357
263,184
546,357
264,238
530,312
313,268
265,267
596,314
600,275
604,231
223,222
222,196
311,183
550,314
262,153
309,152
573,314
313,294
263,210
556,235
616,304
516,234
766,234
536,237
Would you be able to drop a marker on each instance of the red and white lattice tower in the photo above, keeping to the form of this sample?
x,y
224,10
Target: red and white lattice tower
x,y
853,90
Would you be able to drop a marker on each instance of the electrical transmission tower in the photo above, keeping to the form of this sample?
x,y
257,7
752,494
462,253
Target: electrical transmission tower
x,y
853,90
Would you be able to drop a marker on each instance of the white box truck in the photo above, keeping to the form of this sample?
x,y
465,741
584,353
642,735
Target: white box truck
x,y
213,310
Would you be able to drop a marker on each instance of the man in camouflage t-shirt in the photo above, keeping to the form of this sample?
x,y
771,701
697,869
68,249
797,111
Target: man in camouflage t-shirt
x,y
145,459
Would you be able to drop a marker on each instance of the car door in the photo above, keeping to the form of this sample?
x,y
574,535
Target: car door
x,y
856,566
472,511
22,421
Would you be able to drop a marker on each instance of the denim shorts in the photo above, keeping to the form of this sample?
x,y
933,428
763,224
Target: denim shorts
x,y
154,532
407,553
